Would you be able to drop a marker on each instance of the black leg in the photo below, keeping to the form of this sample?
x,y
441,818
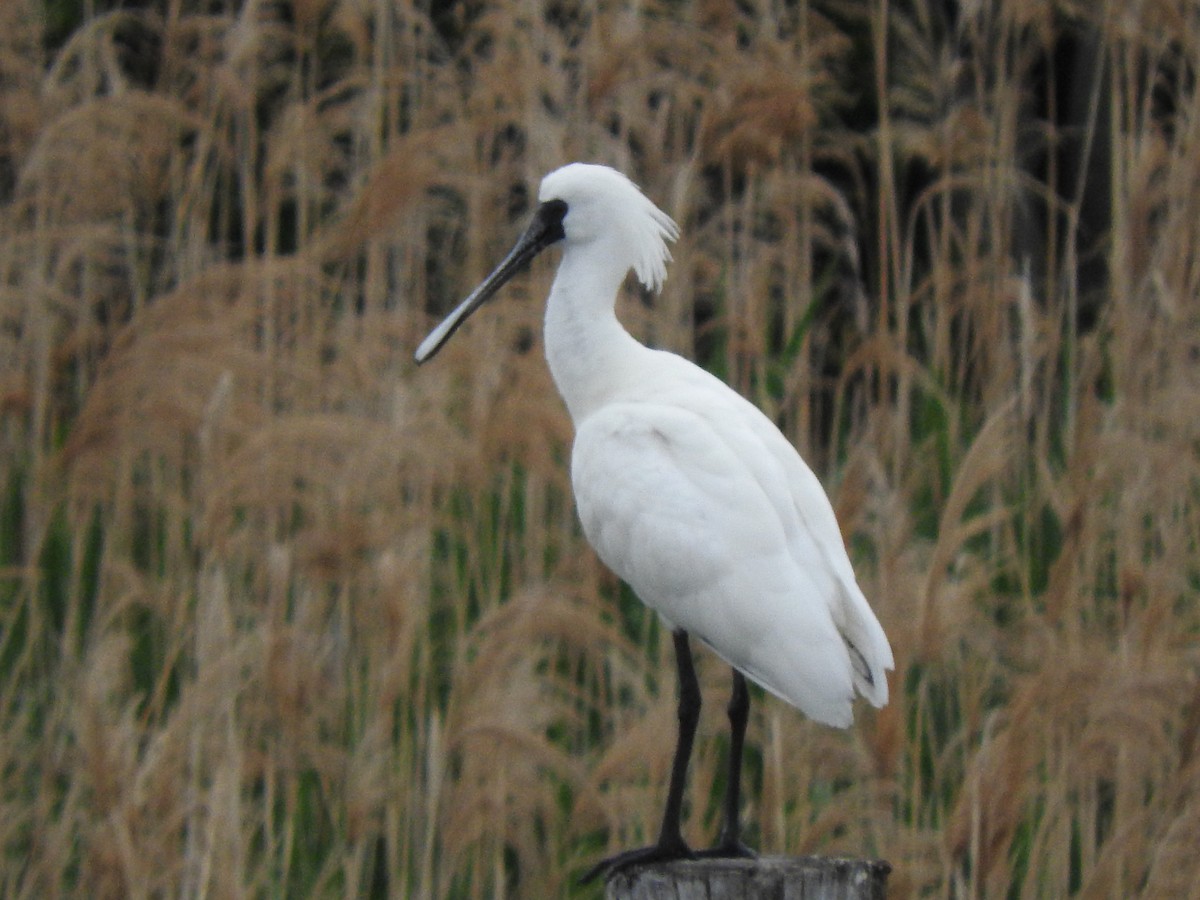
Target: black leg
x,y
689,717
730,841
671,844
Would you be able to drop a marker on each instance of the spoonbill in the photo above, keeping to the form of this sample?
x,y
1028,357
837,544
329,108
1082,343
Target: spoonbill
x,y
688,492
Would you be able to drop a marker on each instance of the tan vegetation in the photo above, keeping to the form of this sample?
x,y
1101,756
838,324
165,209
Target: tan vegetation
x,y
282,616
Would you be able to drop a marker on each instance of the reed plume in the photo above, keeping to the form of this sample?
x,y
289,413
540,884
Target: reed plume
x,y
280,615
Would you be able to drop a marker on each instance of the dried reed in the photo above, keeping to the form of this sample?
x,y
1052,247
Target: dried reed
x,y
279,616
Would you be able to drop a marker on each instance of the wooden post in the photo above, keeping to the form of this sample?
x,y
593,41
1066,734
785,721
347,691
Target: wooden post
x,y
765,878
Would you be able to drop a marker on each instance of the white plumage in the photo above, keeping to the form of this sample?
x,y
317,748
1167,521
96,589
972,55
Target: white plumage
x,y
688,496
685,489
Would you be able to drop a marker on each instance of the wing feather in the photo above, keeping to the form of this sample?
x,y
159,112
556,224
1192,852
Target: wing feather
x,y
717,523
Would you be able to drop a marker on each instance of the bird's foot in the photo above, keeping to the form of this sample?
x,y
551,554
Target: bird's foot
x,y
727,848
663,851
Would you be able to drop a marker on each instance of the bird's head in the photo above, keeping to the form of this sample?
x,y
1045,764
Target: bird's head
x,y
599,204
579,205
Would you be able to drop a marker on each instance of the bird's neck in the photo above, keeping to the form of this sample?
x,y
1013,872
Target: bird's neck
x,y
590,353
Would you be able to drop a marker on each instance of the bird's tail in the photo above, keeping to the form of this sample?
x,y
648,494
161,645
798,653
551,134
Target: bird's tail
x,y
870,652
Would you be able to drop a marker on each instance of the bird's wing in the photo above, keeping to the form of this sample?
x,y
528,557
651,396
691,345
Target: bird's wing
x,y
684,517
813,530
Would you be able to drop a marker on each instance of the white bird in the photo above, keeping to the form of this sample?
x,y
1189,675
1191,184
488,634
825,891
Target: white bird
x,y
688,492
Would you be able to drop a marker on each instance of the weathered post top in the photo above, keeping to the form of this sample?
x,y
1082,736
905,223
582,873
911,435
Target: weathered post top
x,y
765,878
